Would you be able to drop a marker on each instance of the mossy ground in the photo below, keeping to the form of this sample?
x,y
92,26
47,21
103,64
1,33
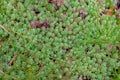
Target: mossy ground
x,y
73,41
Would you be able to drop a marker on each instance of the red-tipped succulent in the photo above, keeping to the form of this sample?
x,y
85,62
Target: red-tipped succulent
x,y
46,23
39,24
117,6
83,13
33,24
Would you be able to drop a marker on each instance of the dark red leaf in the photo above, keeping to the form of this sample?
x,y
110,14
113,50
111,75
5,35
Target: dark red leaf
x,y
46,25
39,24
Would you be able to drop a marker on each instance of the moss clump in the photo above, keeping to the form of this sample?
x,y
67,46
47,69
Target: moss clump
x,y
70,40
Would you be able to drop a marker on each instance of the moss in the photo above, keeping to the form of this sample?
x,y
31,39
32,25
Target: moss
x,y
76,41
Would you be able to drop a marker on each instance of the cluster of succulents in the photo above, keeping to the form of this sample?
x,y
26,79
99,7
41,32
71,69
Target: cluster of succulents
x,y
59,40
40,24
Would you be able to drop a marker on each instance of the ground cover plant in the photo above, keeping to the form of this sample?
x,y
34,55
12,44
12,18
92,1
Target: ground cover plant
x,y
59,40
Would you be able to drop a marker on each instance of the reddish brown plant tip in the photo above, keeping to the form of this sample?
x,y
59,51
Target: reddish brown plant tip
x,y
2,40
36,11
33,24
39,24
118,16
56,7
84,78
84,13
46,25
115,8
109,12
58,2
102,13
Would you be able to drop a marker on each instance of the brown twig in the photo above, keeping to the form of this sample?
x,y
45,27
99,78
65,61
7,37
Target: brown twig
x,y
2,27
12,60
